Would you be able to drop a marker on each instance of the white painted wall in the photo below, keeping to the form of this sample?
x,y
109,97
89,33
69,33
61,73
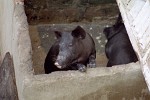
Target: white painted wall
x,y
136,15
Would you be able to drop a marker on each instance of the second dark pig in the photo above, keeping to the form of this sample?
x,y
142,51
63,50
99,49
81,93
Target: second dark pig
x,y
118,49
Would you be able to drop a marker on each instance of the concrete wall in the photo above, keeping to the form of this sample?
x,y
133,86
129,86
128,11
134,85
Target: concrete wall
x,y
114,83
124,82
14,38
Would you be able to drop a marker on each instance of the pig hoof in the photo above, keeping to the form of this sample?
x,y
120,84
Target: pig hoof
x,y
92,65
81,68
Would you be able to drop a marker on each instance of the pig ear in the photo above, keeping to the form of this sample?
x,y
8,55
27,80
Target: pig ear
x,y
79,32
58,34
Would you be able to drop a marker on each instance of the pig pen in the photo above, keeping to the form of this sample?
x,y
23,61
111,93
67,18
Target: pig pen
x,y
42,38
123,82
44,21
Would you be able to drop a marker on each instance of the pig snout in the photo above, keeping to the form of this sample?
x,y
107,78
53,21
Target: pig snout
x,y
59,63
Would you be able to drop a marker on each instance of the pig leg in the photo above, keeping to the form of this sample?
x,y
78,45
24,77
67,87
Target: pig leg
x,y
78,66
81,67
92,62
109,64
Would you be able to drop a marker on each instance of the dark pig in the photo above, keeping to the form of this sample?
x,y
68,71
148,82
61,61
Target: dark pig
x,y
72,51
118,49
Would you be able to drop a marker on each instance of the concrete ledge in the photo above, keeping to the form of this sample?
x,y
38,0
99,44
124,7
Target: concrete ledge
x,y
116,83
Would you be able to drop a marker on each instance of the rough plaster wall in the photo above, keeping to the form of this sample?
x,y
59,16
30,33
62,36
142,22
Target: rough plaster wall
x,y
14,38
22,48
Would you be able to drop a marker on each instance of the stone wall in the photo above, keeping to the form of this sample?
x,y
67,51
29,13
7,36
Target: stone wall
x,y
68,11
14,38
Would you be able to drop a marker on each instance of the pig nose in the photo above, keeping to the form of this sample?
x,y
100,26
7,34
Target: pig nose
x,y
57,64
59,58
107,26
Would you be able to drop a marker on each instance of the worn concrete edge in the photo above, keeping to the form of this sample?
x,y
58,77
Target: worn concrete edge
x,y
91,72
48,82
73,24
21,48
